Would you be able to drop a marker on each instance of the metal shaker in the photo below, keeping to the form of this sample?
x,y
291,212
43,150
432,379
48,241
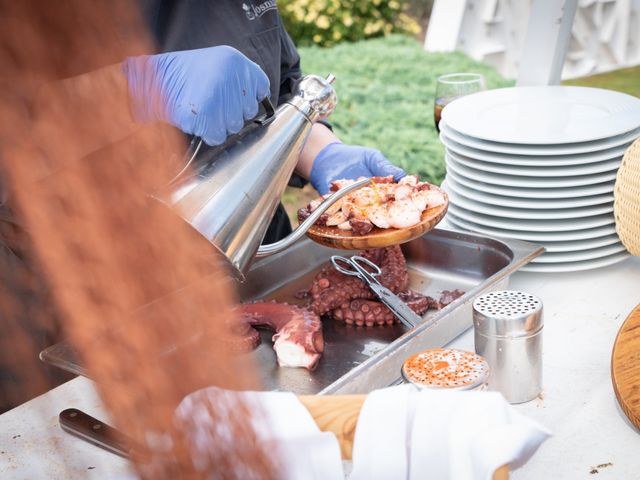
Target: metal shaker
x,y
508,334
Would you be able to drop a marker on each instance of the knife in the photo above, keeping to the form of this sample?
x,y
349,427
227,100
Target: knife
x,y
98,433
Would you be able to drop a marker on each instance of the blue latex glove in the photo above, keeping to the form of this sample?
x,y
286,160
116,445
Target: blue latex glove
x,y
337,161
209,92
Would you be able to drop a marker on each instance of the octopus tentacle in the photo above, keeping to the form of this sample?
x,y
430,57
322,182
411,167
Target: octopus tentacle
x,y
370,312
417,302
298,340
331,289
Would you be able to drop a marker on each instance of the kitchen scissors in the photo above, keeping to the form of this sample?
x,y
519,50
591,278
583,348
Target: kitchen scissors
x,y
356,266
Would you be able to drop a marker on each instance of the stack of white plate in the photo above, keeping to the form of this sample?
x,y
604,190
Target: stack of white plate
x,y
539,164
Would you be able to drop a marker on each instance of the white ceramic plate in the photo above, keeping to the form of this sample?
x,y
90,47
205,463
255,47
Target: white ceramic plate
x,y
575,266
541,150
563,225
527,182
524,213
580,256
533,160
532,236
546,171
522,202
578,245
533,193
543,115
551,247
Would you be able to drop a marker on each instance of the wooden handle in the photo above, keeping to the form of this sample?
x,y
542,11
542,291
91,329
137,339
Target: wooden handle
x,y
339,414
501,473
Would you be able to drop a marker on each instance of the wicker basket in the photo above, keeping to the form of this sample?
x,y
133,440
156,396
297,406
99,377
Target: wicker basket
x,y
626,204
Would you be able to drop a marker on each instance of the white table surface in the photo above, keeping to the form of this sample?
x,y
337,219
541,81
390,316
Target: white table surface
x,y
583,312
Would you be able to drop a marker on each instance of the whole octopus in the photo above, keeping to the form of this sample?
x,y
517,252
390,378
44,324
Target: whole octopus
x,y
298,340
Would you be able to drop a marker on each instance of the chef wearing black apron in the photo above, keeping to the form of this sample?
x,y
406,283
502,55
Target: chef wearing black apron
x,y
253,27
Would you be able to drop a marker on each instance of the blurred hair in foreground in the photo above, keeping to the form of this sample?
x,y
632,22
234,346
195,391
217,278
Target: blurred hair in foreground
x,y
109,260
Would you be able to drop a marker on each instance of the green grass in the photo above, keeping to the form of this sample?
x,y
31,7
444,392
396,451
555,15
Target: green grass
x,y
385,93
626,80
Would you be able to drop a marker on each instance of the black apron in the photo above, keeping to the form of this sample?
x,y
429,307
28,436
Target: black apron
x,y
28,318
252,27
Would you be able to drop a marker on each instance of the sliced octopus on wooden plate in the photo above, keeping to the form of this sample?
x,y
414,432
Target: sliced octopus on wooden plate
x,y
381,214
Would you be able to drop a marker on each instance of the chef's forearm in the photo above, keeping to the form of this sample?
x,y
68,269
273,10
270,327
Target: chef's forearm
x,y
320,137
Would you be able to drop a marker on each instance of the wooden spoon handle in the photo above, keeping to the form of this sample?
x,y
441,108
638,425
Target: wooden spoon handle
x,y
339,414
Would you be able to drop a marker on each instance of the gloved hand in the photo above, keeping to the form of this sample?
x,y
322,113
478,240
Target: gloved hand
x,y
337,161
209,92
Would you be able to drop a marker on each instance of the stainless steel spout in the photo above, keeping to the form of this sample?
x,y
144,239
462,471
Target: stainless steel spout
x,y
229,196
298,233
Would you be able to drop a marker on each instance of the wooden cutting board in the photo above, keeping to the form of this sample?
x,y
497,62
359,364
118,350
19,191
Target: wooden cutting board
x,y
625,367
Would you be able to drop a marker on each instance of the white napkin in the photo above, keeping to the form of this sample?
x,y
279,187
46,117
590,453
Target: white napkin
x,y
382,434
301,450
403,432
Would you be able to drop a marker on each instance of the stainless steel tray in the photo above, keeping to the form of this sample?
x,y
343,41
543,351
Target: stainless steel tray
x,y
359,359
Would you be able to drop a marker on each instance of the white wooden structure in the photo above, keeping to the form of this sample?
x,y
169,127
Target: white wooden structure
x,y
546,42
604,35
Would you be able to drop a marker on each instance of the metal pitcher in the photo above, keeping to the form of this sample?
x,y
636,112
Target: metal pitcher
x,y
229,195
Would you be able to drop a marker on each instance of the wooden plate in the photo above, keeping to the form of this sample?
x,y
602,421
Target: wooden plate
x,y
378,237
625,367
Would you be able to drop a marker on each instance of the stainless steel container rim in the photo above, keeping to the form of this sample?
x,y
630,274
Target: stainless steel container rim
x,y
372,360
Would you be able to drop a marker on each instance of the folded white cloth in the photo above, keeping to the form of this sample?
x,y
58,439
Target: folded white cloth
x,y
282,424
402,433
406,433
382,435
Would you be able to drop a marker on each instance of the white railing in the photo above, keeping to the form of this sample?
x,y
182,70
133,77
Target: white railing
x,y
605,34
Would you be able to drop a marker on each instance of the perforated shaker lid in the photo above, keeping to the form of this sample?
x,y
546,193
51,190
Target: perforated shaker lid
x,y
507,313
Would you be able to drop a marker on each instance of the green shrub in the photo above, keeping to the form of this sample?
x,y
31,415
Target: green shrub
x,y
327,22
385,93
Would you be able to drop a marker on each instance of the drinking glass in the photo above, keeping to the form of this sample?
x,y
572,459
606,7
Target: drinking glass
x,y
452,86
